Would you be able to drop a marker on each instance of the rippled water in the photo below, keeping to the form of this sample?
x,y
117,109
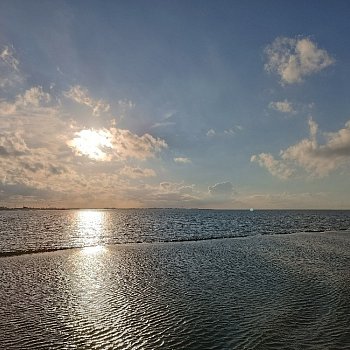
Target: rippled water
x,y
256,292
34,230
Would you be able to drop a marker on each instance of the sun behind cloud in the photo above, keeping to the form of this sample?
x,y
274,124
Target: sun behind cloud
x,y
92,143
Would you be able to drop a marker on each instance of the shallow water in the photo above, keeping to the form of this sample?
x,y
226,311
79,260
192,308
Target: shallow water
x,y
259,292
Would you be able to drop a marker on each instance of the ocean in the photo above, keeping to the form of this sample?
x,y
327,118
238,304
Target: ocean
x,y
174,279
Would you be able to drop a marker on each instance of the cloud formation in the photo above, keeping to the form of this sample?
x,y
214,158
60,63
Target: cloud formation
x,y
275,167
81,95
12,145
115,144
31,102
92,143
293,59
282,106
37,165
318,160
129,145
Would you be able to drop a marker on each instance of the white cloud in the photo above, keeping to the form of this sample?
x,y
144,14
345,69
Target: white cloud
x,y
318,160
224,189
182,160
282,106
294,59
81,95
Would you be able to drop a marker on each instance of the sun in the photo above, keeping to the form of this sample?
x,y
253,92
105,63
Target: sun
x,y
92,143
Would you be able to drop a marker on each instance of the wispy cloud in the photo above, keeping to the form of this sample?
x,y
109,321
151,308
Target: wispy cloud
x,y
228,132
211,133
81,95
162,124
8,57
166,120
234,130
10,74
295,58
182,160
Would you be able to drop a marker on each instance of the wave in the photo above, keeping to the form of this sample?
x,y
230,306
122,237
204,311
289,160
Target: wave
x,y
34,251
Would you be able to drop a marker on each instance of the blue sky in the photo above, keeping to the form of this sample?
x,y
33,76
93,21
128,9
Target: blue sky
x,y
210,104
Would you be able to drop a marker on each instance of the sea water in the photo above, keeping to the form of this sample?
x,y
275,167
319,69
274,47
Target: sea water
x,y
174,279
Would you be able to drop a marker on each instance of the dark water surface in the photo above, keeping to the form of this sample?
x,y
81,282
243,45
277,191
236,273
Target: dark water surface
x,y
257,292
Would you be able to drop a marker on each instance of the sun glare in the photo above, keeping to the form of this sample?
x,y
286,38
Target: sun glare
x,y
92,143
90,226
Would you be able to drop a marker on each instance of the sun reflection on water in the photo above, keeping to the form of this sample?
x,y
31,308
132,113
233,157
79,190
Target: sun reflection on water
x,y
90,226
93,250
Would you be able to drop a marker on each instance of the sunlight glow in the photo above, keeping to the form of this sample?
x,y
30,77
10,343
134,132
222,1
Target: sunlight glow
x,y
92,143
90,225
93,250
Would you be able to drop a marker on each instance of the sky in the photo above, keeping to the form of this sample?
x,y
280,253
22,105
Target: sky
x,y
190,104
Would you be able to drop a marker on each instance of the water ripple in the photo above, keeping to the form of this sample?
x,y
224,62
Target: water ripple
x,y
30,231
263,292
